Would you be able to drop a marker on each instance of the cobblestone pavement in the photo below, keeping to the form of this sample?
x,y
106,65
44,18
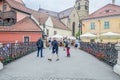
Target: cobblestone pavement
x,y
80,66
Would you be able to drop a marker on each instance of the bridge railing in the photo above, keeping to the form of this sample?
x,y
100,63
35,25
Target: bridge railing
x,y
102,51
13,51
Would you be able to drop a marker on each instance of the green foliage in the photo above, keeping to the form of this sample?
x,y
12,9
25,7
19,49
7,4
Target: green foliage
x,y
77,34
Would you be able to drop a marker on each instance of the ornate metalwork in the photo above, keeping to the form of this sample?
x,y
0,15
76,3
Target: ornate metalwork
x,y
105,52
13,51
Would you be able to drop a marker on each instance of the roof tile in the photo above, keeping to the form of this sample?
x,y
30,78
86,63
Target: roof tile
x,y
41,17
58,24
108,10
25,24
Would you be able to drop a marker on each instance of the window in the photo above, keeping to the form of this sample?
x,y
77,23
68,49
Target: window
x,y
73,29
55,32
86,7
73,15
4,7
26,39
106,25
92,26
47,32
69,20
78,7
107,11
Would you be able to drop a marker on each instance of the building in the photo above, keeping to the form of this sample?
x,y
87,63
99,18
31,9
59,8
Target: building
x,y
43,22
16,23
71,16
105,19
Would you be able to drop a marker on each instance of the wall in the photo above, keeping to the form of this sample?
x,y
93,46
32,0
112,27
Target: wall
x,y
114,22
74,18
20,16
13,36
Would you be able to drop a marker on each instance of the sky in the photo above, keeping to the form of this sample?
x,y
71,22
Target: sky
x,y
59,5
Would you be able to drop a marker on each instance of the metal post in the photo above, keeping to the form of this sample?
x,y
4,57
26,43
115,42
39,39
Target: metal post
x,y
99,32
79,30
43,32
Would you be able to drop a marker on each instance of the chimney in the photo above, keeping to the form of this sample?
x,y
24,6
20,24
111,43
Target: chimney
x,y
113,1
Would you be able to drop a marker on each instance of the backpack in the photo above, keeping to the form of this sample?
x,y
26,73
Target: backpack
x,y
39,43
55,44
66,44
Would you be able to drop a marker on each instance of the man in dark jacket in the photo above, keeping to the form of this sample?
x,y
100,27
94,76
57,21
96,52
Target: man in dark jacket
x,y
55,46
39,44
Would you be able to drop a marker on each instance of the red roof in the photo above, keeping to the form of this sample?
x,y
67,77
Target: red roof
x,y
41,17
58,24
26,24
108,10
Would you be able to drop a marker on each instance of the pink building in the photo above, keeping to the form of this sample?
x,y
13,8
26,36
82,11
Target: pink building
x,y
16,23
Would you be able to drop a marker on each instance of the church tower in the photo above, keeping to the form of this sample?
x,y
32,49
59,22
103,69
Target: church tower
x,y
82,7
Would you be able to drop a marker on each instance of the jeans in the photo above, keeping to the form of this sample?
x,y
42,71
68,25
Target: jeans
x,y
40,51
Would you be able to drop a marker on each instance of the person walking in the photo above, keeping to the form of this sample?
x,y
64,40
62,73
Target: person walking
x,y
39,44
55,47
67,45
76,43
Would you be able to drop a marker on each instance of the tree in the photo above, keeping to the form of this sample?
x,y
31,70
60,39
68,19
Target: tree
x,y
77,34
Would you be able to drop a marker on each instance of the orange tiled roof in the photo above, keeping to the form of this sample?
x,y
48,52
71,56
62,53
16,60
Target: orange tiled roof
x,y
58,24
108,10
41,17
25,24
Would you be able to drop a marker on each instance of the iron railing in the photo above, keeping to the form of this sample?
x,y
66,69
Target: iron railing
x,y
12,51
105,52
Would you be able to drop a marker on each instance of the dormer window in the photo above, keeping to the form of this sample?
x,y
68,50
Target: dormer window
x,y
107,11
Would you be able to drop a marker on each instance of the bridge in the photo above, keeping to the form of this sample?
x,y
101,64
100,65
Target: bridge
x,y
80,66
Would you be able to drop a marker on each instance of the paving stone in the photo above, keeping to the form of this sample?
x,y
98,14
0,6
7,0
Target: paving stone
x,y
80,66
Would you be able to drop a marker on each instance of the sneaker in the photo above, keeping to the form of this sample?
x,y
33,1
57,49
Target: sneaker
x,y
68,55
50,59
57,59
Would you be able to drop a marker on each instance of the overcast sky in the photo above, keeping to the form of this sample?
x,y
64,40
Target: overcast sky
x,y
59,5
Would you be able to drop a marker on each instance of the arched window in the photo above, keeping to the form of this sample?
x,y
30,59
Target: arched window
x,y
78,7
73,29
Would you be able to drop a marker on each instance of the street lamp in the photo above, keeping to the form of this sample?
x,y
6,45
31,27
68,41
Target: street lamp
x,y
99,31
80,29
43,32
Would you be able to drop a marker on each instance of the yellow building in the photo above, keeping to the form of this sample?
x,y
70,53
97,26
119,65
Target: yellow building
x,y
106,19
